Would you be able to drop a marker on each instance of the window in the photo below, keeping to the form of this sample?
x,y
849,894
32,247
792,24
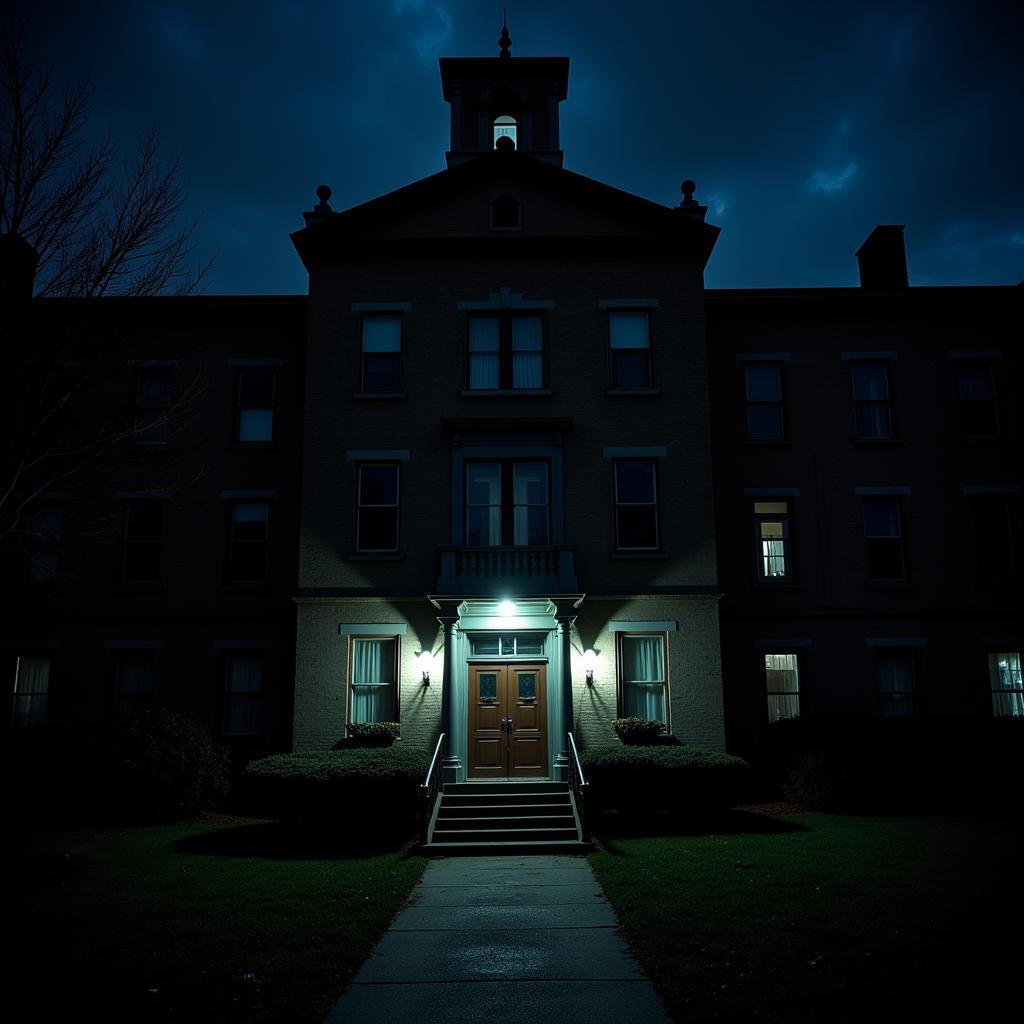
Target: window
x,y
506,352
373,679
896,686
45,529
771,533
248,541
636,506
504,128
509,645
254,413
152,401
133,679
143,526
629,348
979,412
382,354
243,683
993,534
505,213
764,402
507,504
782,678
643,680
377,512
883,534
871,408
31,689
1007,685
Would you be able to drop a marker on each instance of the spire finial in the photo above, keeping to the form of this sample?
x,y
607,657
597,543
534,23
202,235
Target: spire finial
x,y
505,42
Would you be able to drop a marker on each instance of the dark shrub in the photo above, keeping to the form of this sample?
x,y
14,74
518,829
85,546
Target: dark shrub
x,y
356,791
158,766
671,778
638,730
872,765
373,734
164,765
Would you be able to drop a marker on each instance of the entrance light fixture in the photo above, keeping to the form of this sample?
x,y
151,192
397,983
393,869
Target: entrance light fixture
x,y
589,660
426,660
507,608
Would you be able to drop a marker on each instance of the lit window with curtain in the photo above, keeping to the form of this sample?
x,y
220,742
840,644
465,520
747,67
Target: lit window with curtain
x,y
629,348
1007,684
373,679
382,353
643,680
764,402
506,352
771,536
243,684
871,401
133,679
895,673
507,504
883,536
31,690
782,678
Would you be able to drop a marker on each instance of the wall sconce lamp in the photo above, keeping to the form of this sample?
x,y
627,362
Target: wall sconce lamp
x,y
589,659
426,660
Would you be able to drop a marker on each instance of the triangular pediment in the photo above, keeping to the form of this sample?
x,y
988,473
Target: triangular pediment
x,y
456,204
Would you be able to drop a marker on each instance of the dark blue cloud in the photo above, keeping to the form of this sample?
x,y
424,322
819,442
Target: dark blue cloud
x,y
804,124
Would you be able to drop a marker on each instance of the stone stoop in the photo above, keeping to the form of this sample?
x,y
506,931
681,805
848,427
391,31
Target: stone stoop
x,y
506,817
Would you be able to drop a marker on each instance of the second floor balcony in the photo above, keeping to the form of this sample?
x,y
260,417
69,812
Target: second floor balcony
x,y
497,570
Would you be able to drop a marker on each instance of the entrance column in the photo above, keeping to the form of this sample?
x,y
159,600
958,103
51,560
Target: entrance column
x,y
565,616
449,619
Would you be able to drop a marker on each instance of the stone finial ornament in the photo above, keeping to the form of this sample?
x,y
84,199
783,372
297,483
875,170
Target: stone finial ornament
x,y
323,193
505,42
688,187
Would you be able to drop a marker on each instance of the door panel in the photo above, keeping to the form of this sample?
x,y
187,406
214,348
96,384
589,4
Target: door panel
x,y
507,721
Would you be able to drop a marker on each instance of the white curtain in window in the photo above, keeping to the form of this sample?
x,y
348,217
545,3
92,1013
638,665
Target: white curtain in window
x,y
530,500
896,685
244,678
373,680
31,688
527,356
774,554
483,352
643,669
1007,684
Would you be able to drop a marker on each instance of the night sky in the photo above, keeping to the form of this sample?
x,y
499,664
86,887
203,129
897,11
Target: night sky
x,y
803,124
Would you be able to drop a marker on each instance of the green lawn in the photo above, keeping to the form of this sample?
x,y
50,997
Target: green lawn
x,y
234,922
822,918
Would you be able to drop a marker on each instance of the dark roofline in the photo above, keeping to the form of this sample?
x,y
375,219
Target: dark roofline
x,y
190,300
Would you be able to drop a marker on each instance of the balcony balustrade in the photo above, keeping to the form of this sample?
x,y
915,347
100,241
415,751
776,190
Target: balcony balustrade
x,y
495,570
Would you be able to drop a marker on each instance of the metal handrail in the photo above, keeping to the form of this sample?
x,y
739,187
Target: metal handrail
x,y
430,790
579,787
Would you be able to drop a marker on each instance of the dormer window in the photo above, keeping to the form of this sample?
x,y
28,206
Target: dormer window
x,y
504,128
505,214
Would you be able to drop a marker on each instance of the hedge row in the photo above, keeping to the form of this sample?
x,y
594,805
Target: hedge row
x,y
678,779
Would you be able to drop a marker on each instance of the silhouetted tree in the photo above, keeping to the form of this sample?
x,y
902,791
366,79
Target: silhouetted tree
x,y
78,223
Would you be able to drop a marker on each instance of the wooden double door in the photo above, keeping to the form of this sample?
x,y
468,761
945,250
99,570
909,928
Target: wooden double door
x,y
508,721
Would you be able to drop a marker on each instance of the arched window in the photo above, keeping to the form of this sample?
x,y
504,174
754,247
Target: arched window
x,y
504,128
505,212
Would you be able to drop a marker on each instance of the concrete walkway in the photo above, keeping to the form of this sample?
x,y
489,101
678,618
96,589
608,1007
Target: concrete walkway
x,y
491,939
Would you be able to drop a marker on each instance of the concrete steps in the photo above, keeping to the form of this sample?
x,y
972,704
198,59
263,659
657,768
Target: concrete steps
x,y
505,817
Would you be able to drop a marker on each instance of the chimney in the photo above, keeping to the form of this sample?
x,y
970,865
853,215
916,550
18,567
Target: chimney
x,y
18,261
883,259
